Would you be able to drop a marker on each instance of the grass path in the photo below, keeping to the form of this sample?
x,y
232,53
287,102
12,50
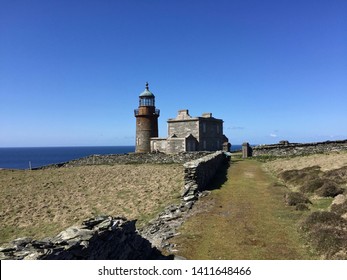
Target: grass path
x,y
245,219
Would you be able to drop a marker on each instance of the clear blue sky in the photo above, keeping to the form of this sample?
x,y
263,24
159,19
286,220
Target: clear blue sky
x,y
71,70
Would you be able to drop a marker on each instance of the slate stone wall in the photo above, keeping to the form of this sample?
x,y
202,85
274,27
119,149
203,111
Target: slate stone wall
x,y
297,149
100,238
132,158
200,171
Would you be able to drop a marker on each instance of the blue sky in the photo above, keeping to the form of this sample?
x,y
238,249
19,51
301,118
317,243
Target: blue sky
x,y
71,70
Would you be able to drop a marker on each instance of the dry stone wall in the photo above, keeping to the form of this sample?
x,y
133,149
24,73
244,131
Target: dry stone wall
x,y
199,172
297,149
198,175
132,158
100,238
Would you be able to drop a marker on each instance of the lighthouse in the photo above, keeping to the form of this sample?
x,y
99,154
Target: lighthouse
x,y
146,121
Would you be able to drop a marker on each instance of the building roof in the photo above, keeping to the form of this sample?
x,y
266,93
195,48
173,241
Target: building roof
x,y
147,93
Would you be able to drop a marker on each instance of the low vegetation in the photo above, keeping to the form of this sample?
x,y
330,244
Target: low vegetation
x,y
41,203
327,233
319,178
339,209
296,198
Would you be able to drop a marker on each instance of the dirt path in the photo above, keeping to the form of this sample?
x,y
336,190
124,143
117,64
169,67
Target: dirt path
x,y
245,219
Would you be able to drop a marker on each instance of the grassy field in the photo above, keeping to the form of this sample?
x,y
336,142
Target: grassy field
x,y
41,203
324,161
324,164
245,218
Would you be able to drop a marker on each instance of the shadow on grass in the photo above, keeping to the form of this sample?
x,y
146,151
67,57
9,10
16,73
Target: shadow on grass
x,y
220,178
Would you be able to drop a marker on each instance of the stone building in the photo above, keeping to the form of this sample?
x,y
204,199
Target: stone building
x,y
185,133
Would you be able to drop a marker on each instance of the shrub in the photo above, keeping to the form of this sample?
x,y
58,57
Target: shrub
x,y
295,198
327,233
323,219
329,189
337,175
301,207
312,185
328,241
300,176
289,175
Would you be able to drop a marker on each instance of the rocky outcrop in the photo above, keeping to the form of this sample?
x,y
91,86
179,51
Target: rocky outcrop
x,y
100,238
284,148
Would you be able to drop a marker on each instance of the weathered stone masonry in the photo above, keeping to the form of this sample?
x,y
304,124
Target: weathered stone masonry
x,y
296,149
198,175
131,158
100,238
200,171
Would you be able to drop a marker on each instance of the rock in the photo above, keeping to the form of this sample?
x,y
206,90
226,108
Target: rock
x,y
104,225
189,198
74,232
32,256
204,193
189,204
6,249
179,258
94,221
22,242
339,199
41,244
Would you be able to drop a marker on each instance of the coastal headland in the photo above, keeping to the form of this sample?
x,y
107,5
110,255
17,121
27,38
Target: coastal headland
x,y
155,190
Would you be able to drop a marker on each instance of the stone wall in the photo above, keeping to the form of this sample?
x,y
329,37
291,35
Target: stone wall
x,y
159,144
183,127
132,158
100,238
198,175
296,149
199,172
175,145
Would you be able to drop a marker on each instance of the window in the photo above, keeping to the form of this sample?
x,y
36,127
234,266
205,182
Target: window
x,y
147,101
204,127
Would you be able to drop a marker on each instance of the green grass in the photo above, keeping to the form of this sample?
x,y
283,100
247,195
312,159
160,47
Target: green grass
x,y
247,219
321,203
39,231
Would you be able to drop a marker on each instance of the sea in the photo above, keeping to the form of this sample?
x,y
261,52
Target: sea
x,y
25,158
